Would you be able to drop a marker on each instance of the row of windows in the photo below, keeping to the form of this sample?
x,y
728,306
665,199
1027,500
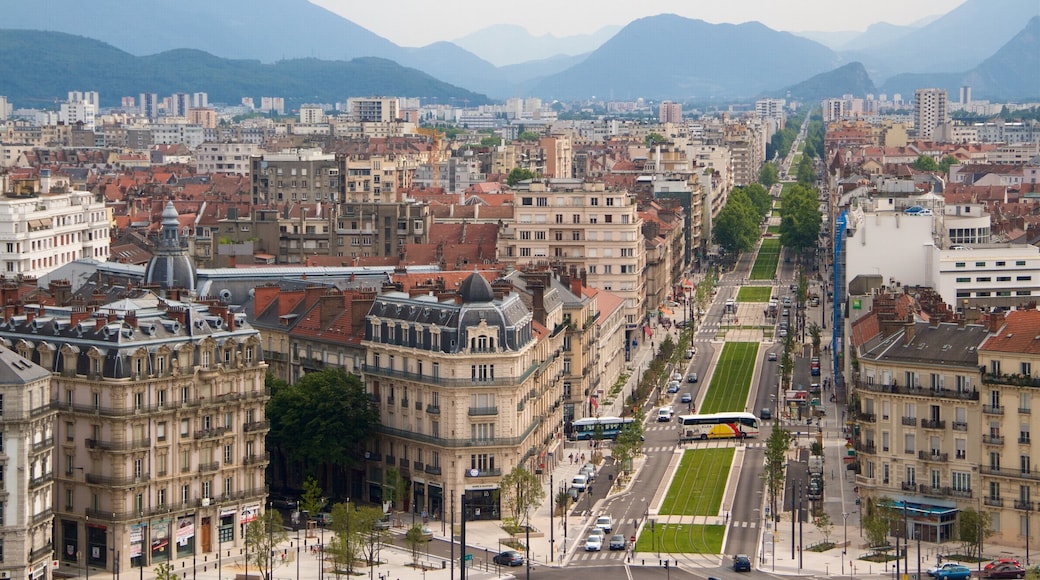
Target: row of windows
x,y
998,264
575,201
999,279
998,293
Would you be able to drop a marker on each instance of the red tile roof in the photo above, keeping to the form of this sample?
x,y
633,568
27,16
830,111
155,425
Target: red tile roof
x,y
1019,334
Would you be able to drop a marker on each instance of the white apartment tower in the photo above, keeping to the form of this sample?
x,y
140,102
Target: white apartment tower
x,y
931,109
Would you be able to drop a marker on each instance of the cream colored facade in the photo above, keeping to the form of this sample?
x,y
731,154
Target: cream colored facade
x,y
466,392
28,422
583,226
160,438
225,158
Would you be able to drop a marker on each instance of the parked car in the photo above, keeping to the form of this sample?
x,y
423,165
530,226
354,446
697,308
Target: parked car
x,y
956,572
579,482
1004,570
691,378
324,519
383,523
771,356
597,532
605,523
741,563
686,398
589,471
935,570
426,534
618,542
676,376
690,353
509,558
998,561
594,543
673,387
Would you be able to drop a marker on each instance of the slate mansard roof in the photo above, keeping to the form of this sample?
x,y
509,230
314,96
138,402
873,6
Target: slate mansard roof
x,y
396,318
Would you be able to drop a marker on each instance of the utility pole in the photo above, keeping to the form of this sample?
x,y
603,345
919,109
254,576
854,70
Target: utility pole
x,y
552,529
801,528
451,537
462,539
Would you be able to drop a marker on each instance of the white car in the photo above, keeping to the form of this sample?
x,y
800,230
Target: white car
x,y
580,482
604,523
594,543
676,376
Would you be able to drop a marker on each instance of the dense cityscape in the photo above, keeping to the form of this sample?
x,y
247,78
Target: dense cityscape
x,y
407,336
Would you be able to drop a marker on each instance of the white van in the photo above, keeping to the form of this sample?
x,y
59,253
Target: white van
x,y
664,414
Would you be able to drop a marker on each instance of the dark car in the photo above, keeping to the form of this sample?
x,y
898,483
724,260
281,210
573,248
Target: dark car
x,y
691,378
1004,570
741,563
617,542
509,558
765,414
686,398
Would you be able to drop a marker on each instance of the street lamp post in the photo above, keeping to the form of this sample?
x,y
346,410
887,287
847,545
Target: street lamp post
x,y
845,544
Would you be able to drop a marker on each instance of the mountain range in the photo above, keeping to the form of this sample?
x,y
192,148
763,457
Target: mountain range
x,y
509,44
664,56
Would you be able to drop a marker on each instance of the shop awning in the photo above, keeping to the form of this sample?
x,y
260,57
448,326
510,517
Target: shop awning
x,y
647,332
664,310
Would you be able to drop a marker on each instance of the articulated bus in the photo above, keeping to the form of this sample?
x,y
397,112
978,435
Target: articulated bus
x,y
718,426
584,429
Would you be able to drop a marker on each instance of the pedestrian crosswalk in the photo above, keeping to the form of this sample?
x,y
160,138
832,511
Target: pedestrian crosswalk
x,y
583,556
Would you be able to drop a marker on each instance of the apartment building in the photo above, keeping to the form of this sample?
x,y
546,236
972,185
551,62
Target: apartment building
x,y
920,418
46,226
931,109
373,109
27,467
467,390
1010,486
227,158
585,226
669,112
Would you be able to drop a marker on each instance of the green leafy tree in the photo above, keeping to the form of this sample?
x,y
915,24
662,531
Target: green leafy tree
x,y
805,173
776,460
312,501
760,199
529,136
317,423
490,141
973,528
164,571
519,174
563,501
655,139
825,526
339,550
414,538
814,333
948,162
736,227
345,526
800,218
521,492
877,521
364,532
394,486
262,537
629,441
925,163
769,175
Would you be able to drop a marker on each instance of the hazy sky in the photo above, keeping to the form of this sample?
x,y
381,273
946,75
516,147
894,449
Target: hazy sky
x,y
420,22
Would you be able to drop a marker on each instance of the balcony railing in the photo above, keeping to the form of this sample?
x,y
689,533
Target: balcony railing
x,y
936,457
133,445
1024,411
373,456
959,426
44,552
483,472
1023,505
211,466
390,460
868,447
433,409
902,390
993,501
38,481
933,424
909,421
256,426
41,445
211,433
118,481
1033,474
1024,440
992,440
945,491
255,458
993,409
482,411
868,417
1017,380
448,382
908,486
433,469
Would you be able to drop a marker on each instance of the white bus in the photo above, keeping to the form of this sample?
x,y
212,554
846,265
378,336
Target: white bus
x,y
718,426
608,427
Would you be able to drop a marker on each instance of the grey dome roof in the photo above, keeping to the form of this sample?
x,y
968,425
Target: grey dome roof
x,y
476,289
170,266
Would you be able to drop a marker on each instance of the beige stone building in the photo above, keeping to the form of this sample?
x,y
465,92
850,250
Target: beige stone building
x,y
467,390
584,226
27,425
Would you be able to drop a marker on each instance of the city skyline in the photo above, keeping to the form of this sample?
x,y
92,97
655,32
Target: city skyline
x,y
441,21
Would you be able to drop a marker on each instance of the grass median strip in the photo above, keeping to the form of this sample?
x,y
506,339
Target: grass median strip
x,y
731,381
767,260
697,487
681,539
754,294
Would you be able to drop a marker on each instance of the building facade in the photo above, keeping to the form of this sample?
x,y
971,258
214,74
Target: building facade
x,y
27,468
467,390
931,109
